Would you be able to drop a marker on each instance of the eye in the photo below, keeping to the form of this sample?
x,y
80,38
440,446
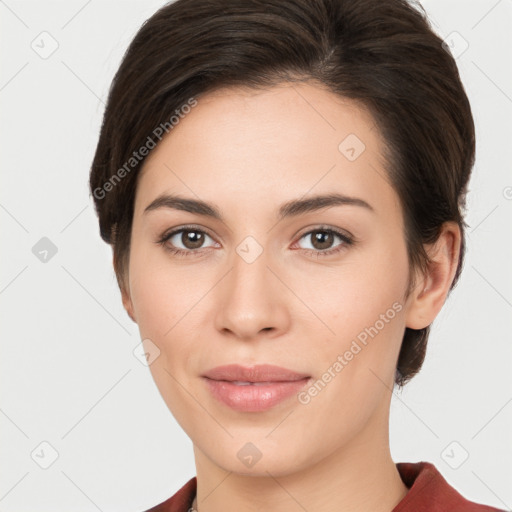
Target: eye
x,y
322,239
190,238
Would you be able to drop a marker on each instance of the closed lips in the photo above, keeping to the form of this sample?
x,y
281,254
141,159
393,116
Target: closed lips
x,y
239,383
258,374
253,388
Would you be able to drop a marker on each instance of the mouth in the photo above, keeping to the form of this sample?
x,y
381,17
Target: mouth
x,y
262,373
240,383
253,389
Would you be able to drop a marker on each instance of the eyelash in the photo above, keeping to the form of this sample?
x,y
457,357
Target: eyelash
x,y
346,239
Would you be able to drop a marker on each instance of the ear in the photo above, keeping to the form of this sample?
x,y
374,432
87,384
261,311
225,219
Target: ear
x,y
431,290
125,292
127,303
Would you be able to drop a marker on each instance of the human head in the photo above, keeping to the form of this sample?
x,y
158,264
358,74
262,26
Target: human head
x,y
382,55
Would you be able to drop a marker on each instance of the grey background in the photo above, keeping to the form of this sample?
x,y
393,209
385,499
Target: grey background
x,y
69,377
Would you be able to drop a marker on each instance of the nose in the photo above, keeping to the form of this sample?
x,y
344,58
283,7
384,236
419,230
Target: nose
x,y
252,300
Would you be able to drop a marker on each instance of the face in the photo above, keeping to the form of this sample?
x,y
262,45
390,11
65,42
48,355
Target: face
x,y
316,287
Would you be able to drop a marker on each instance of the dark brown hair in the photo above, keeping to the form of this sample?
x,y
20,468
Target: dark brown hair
x,y
381,53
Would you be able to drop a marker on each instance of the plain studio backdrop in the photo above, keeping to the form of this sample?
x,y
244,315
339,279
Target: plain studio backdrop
x,y
83,426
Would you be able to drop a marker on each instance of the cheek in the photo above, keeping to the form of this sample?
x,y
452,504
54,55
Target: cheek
x,y
158,294
362,304
161,301
356,293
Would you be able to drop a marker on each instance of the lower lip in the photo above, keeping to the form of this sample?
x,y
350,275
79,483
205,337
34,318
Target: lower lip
x,y
254,397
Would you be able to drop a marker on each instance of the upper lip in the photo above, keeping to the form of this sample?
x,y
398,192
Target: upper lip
x,y
257,373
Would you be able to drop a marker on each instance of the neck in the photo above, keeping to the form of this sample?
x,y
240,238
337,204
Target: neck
x,y
359,476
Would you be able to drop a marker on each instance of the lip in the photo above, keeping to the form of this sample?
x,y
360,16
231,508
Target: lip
x,y
257,373
268,385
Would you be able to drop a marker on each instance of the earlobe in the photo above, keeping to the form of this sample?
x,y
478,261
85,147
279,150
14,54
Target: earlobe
x,y
431,290
122,281
128,305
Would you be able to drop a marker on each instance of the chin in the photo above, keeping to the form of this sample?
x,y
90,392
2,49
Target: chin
x,y
260,457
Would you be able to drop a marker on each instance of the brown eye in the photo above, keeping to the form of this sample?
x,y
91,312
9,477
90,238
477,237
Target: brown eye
x,y
192,239
185,240
323,240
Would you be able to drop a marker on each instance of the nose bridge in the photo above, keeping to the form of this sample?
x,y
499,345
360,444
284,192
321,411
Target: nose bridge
x,y
252,297
250,267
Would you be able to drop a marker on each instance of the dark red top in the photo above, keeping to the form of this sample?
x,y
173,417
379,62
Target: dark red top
x,y
428,492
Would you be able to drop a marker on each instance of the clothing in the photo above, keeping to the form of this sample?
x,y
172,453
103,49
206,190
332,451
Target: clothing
x,y
428,492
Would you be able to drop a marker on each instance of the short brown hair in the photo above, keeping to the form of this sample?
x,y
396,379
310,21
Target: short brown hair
x,y
381,53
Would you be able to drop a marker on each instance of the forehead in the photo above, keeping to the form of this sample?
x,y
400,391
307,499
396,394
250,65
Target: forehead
x,y
269,146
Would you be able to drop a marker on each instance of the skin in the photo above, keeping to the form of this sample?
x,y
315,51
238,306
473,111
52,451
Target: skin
x,y
248,152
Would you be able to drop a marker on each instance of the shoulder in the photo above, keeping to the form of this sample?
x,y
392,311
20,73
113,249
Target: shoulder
x,y
181,501
430,492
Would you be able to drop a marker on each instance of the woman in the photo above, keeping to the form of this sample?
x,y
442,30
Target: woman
x,y
283,185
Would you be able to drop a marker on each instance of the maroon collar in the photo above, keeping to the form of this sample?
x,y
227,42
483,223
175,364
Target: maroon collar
x,y
428,492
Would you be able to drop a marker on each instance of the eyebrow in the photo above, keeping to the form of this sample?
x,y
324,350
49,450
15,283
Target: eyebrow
x,y
289,209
